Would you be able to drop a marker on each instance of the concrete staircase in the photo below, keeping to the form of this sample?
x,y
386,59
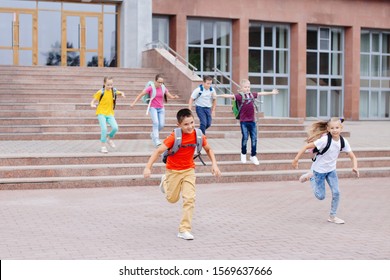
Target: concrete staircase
x,y
51,104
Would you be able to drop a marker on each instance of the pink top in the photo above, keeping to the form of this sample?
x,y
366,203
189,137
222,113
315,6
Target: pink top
x,y
158,101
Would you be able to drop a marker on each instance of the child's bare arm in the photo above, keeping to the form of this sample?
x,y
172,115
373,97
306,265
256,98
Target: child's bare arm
x,y
225,95
354,163
214,167
138,97
171,96
274,91
156,154
301,152
93,105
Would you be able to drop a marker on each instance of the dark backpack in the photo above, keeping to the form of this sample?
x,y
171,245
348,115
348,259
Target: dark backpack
x,y
316,152
113,96
202,89
177,145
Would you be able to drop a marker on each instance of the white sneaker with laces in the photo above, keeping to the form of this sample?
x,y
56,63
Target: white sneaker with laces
x,y
162,183
243,158
254,160
305,177
111,143
334,219
104,150
185,235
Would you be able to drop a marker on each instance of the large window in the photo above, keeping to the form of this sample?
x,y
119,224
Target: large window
x,y
269,65
209,47
324,72
375,75
160,29
58,33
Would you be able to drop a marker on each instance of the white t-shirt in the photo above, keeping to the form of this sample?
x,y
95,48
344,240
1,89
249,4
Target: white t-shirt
x,y
327,162
205,99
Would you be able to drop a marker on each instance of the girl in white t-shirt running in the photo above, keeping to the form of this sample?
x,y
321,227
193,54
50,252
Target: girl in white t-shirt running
x,y
324,167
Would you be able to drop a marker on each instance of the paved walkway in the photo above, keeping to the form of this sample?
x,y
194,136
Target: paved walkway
x,y
259,220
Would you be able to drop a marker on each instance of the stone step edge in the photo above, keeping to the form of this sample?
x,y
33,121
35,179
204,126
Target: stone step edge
x,y
158,164
158,176
148,153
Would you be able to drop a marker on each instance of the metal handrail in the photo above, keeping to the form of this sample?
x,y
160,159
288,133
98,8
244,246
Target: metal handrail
x,y
158,44
216,70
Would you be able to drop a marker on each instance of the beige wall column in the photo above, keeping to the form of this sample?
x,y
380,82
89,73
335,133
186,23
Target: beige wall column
x,y
352,73
298,71
240,40
178,34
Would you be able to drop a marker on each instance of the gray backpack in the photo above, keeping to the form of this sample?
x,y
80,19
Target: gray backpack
x,y
177,145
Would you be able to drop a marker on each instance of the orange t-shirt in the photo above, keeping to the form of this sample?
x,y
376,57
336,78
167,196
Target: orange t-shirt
x,y
183,159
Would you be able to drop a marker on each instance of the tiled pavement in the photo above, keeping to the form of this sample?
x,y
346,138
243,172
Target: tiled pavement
x,y
259,220
270,220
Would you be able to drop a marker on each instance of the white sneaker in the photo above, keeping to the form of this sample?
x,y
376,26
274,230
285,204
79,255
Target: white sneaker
x,y
185,235
243,158
104,150
111,143
254,160
305,177
162,183
334,219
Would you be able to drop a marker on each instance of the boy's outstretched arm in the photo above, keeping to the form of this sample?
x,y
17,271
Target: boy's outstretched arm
x,y
354,163
300,153
225,95
214,167
274,91
156,154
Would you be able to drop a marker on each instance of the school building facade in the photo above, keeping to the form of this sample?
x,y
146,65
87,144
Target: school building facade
x,y
326,58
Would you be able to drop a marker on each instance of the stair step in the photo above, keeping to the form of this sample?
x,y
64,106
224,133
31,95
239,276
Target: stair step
x,y
138,180
118,169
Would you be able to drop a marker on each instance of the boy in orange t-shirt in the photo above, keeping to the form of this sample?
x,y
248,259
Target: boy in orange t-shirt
x,y
180,169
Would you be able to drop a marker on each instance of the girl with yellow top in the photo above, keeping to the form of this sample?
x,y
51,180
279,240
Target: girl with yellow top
x,y
105,99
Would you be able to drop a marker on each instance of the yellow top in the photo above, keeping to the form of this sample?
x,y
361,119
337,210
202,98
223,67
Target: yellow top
x,y
105,106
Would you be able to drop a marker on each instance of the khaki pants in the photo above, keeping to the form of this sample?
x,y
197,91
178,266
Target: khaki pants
x,y
181,181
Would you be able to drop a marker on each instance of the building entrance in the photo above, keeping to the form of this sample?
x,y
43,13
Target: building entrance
x,y
82,39
18,40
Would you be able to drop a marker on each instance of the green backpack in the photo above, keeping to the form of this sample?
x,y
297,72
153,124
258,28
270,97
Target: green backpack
x,y
236,108
147,98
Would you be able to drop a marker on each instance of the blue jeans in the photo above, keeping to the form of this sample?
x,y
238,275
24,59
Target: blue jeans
x,y
249,128
103,120
204,115
158,122
318,185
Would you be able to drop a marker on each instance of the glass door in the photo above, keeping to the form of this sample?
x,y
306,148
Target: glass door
x,y
82,40
18,39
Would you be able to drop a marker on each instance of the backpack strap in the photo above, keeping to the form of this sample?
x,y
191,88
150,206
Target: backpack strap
x,y
177,144
201,90
328,143
199,142
101,94
154,93
342,143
